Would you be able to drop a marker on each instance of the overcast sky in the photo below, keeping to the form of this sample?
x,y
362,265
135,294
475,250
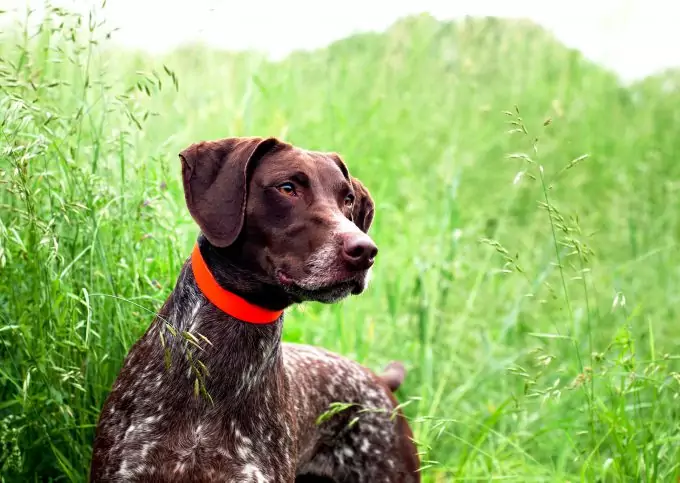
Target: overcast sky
x,y
632,37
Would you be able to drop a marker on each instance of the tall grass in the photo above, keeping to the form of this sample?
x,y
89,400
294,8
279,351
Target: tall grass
x,y
528,261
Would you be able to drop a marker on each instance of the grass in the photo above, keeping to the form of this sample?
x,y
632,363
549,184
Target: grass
x,y
528,255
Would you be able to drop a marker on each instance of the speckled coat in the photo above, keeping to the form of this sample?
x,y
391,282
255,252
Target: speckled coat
x,y
254,419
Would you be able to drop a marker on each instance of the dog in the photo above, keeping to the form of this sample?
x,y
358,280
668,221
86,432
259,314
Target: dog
x,y
210,392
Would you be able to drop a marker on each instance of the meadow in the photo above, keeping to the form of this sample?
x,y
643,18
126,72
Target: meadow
x,y
526,214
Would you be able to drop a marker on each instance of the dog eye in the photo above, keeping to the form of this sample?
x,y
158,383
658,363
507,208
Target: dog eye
x,y
287,189
349,199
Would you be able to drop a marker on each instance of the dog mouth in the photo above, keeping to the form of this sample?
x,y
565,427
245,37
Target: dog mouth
x,y
330,290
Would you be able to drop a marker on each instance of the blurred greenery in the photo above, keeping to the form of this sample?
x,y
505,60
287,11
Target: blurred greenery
x,y
526,214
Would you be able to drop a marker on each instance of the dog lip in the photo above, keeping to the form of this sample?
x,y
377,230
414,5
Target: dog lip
x,y
284,278
355,279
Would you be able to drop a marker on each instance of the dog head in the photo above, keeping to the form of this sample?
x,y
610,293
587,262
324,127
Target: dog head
x,y
295,218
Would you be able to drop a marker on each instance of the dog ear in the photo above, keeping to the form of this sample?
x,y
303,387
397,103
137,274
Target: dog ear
x,y
364,208
215,176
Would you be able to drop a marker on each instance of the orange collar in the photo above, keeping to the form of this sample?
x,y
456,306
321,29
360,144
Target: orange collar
x,y
226,301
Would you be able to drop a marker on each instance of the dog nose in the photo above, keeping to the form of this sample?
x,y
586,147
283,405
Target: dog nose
x,y
359,251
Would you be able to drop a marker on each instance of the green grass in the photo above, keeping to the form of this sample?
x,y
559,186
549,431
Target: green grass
x,y
535,312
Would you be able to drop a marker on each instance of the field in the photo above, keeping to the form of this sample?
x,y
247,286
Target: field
x,y
526,214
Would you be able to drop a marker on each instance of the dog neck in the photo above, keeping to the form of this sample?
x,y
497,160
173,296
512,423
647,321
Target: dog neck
x,y
243,360
233,272
225,300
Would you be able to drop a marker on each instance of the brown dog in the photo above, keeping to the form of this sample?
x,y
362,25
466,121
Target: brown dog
x,y
209,392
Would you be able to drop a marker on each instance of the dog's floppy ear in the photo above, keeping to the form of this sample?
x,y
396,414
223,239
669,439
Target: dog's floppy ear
x,y
215,176
364,208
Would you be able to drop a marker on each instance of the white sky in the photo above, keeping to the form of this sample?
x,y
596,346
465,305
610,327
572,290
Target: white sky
x,y
632,37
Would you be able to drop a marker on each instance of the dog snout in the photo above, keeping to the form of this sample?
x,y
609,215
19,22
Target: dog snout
x,y
359,251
